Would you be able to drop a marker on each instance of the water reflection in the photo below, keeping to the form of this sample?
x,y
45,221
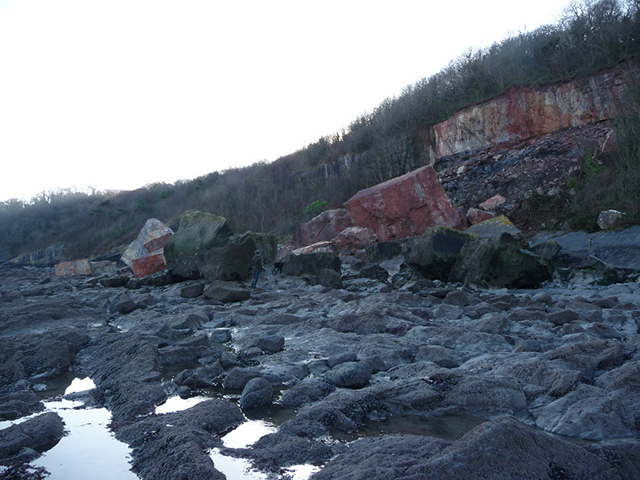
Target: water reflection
x,y
89,450
177,404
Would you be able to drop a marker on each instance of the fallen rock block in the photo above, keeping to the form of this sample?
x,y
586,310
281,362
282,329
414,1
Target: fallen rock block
x,y
404,206
148,264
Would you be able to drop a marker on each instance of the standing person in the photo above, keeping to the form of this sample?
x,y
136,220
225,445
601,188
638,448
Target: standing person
x,y
256,266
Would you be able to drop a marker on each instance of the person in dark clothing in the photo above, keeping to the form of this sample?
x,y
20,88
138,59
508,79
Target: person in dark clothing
x,y
256,266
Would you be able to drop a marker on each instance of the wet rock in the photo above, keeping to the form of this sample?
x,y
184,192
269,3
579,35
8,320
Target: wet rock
x,y
39,433
375,272
16,404
563,316
114,282
329,278
226,292
238,377
192,291
180,441
306,391
349,375
125,307
201,377
339,358
258,392
589,413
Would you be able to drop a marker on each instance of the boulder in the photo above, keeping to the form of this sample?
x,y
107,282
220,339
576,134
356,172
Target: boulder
x,y
153,237
324,227
198,233
404,206
610,219
493,202
435,253
329,278
501,262
75,267
257,393
353,239
148,264
349,375
226,292
230,261
493,227
475,215
311,264
39,433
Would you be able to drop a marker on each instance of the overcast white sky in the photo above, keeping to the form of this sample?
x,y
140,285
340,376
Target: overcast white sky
x,y
119,94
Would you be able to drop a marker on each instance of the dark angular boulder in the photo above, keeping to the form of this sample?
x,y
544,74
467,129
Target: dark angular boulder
x,y
435,253
311,264
501,262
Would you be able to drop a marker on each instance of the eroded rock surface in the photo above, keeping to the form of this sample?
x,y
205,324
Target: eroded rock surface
x,y
525,365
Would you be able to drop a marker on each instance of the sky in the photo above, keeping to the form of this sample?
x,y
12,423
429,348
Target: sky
x,y
119,94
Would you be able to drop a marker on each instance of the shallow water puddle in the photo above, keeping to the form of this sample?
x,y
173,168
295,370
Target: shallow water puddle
x,y
88,449
177,404
240,469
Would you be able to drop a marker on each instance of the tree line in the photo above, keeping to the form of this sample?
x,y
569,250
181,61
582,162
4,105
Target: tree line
x,y
388,141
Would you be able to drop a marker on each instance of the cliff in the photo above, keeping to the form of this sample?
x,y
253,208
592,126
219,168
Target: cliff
x,y
525,112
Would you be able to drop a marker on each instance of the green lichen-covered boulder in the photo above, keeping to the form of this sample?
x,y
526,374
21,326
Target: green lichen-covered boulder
x,y
198,233
504,261
435,252
493,228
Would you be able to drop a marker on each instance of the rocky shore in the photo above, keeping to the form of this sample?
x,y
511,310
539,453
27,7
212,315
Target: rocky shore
x,y
550,376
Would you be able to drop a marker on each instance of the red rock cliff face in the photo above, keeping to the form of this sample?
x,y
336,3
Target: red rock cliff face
x,y
522,113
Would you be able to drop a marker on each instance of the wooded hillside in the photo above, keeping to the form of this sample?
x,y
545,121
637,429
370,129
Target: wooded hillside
x,y
388,141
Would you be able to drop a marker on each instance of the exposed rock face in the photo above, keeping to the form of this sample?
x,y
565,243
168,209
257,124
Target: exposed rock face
x,y
404,206
522,112
153,236
324,227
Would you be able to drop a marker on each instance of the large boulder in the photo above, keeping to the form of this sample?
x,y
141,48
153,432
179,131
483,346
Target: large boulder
x,y
324,227
404,206
153,237
198,233
311,264
500,262
230,261
435,253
